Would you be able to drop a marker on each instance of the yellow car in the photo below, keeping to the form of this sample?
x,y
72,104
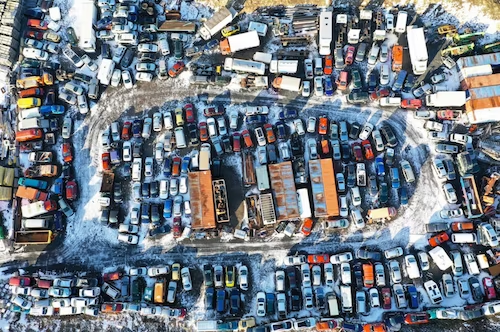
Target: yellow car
x,y
230,30
230,276
176,271
179,117
29,102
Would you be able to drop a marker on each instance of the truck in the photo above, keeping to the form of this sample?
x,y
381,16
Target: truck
x,y
31,194
106,192
239,42
207,325
35,81
28,135
262,178
221,201
245,66
38,208
288,83
252,81
325,35
284,66
380,31
44,157
218,21
87,19
324,188
202,200
41,171
472,201
39,184
33,237
418,49
268,215
381,214
105,71
446,99
33,123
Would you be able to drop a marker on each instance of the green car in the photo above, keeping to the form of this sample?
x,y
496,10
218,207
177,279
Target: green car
x,y
358,97
70,32
357,83
137,288
148,294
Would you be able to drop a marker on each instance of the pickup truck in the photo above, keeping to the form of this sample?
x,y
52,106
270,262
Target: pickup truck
x,y
41,171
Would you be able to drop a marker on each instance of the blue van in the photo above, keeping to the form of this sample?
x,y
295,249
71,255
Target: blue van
x,y
57,187
167,168
167,208
403,196
413,297
400,80
270,303
221,301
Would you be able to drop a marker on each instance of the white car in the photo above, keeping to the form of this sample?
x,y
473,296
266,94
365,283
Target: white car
x,y
306,275
116,77
221,123
412,267
447,284
433,126
186,279
377,139
344,209
183,188
157,121
308,68
395,271
389,22
81,302
212,127
424,260
488,309
146,128
174,190
374,297
177,206
294,260
128,238
233,119
280,280
158,271
318,86
128,228
22,290
42,311
307,293
147,48
460,138
299,127
361,305
159,152
243,277
143,76
341,258
433,291
148,167
261,304
311,124
393,253
168,121
138,271
328,274
127,79
450,193
164,189
306,89
83,106
127,151
60,303
345,273
151,311
340,182
218,276
89,292
316,275
449,214
32,53
379,274
399,296
367,130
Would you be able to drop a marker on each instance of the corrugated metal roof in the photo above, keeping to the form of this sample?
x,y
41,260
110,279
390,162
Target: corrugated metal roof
x,y
483,110
202,200
480,81
283,185
478,60
484,92
267,209
324,188
178,26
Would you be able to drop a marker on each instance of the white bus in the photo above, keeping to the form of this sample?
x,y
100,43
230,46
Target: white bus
x,y
418,49
304,203
284,66
325,33
246,66
401,22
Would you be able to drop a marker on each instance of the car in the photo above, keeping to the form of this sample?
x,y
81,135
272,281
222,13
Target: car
x,y
313,151
307,296
294,260
399,296
374,297
416,318
186,279
177,68
318,86
357,152
491,308
363,253
438,239
433,292
306,275
361,304
299,127
158,271
341,258
389,136
261,304
395,271
489,288
447,285
424,260
230,279
450,193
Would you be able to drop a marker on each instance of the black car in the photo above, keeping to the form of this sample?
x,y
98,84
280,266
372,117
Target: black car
x,y
67,172
475,288
50,97
147,57
146,37
367,254
83,78
358,275
137,150
354,131
209,298
295,300
145,190
155,214
105,51
161,230
320,298
351,176
346,151
270,303
208,275
153,189
216,166
117,192
193,134
104,23
409,83
178,50
137,128
34,13
45,5
127,58
293,277
235,301
281,129
226,144
27,72
372,81
389,136
271,154
296,145
256,119
53,125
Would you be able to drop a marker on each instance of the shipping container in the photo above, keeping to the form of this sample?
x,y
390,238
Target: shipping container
x,y
283,186
474,71
244,66
262,178
478,60
483,110
480,81
202,200
324,188
7,176
5,194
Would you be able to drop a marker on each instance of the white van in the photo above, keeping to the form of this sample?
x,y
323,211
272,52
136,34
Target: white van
x,y
66,311
401,22
163,44
346,295
127,38
263,57
463,238
29,113
205,151
115,132
33,123
304,203
333,304
355,196
390,101
318,66
180,138
136,169
35,223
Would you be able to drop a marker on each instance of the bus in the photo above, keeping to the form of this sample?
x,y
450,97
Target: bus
x,y
325,33
401,22
245,66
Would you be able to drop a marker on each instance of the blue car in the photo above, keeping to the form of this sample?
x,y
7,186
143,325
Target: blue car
x,y
413,297
58,222
52,109
379,164
221,301
137,128
395,182
167,208
328,86
281,129
403,196
57,187
167,168
288,114
256,119
270,303
185,164
211,44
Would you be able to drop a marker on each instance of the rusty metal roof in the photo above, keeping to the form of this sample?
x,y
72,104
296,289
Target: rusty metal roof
x,y
178,26
478,60
324,188
480,81
202,200
283,186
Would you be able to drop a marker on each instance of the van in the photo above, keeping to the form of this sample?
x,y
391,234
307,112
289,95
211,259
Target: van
x,y
390,101
93,92
471,264
29,102
457,267
163,44
127,38
385,73
261,28
205,157
318,66
401,22
33,123
333,304
357,218
400,80
207,325
463,238
368,276
29,113
136,169
115,131
159,292
372,58
346,296
35,223
180,138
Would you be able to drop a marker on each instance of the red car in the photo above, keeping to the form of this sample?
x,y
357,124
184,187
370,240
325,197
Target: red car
x,y
176,166
328,65
214,111
176,69
31,92
66,152
489,288
189,109
236,142
411,103
127,125
20,281
379,93
43,283
271,138
356,151
247,138
386,298
367,147
34,34
111,308
307,226
318,259
349,57
71,190
323,125
106,161
112,276
203,132
177,227
417,318
438,239
37,24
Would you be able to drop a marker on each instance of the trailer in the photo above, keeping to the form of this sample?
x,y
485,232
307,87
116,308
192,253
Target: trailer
x,y
446,99
239,42
106,192
288,83
220,201
7,175
105,71
381,214
244,66
44,157
418,49
267,209
33,123
33,237
86,19
262,178
324,188
218,21
325,35
380,31
474,208
202,200
38,171
177,26
252,81
248,169
31,194
285,194
39,184
37,208
284,66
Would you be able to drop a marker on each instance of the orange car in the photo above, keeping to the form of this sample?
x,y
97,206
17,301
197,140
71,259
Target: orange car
x,y
325,147
438,239
203,132
112,276
247,138
374,327
367,147
417,318
31,92
66,152
271,138
106,161
328,65
462,226
323,125
327,325
411,103
37,24
306,226
112,308
318,259
176,69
